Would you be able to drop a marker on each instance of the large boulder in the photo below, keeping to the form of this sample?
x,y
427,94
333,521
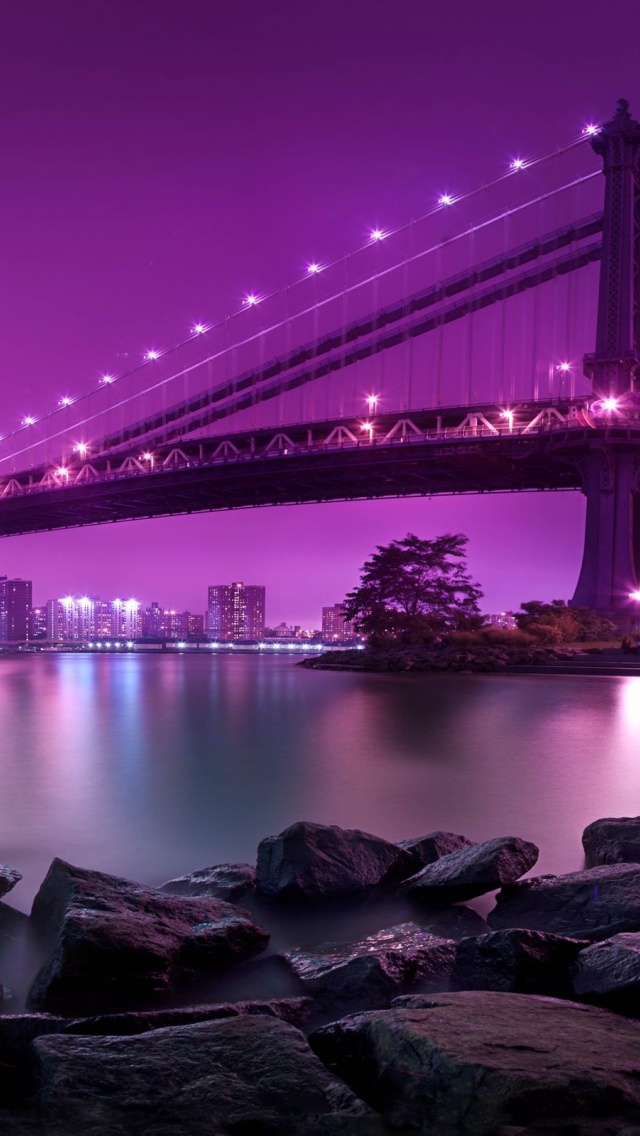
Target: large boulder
x,y
9,877
367,974
477,1062
593,904
323,862
231,882
112,942
241,1076
472,871
518,961
609,972
612,840
427,849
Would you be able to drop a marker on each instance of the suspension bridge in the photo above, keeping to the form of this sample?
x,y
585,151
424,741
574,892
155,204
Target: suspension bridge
x,y
492,345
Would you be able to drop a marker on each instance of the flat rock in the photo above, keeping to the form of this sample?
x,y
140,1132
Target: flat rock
x,y
9,877
245,1076
518,961
323,862
610,971
472,871
612,840
113,941
476,1062
427,849
593,904
230,882
367,974
17,1031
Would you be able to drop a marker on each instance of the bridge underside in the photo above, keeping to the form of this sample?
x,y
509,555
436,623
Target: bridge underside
x,y
414,469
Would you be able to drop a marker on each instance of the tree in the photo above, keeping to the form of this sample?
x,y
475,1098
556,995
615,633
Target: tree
x,y
556,622
415,589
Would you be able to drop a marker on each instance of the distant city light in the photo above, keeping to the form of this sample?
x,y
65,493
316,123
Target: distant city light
x,y
66,401
251,300
517,164
108,379
130,643
377,235
198,328
445,199
152,354
28,421
314,268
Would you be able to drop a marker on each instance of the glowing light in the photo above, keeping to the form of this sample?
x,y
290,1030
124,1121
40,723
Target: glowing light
x,y
591,128
634,595
609,404
62,472
182,644
372,403
377,235
148,458
564,367
131,605
508,414
368,426
314,268
445,199
130,643
152,355
66,401
251,300
107,379
517,164
199,328
28,421
81,449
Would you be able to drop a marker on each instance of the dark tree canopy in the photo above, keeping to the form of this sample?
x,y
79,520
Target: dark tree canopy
x,y
415,589
556,622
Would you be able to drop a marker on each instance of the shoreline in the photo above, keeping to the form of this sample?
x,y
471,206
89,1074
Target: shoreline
x,y
452,659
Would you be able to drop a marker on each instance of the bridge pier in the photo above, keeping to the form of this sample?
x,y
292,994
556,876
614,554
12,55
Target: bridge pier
x,y
612,532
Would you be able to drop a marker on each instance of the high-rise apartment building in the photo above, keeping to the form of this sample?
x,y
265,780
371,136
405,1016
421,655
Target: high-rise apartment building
x,y
38,623
15,605
335,627
70,619
236,611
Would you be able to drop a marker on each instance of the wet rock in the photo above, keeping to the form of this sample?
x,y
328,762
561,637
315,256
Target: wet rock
x,y
248,1075
472,871
9,877
612,840
427,849
518,961
323,862
593,904
230,882
458,922
609,972
112,942
470,1062
367,974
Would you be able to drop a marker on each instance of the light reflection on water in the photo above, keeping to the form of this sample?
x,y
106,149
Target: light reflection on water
x,y
150,767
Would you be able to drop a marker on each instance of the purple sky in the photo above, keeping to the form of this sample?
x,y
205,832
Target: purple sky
x,y
162,159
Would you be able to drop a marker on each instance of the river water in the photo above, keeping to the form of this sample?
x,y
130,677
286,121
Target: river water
x,y
149,767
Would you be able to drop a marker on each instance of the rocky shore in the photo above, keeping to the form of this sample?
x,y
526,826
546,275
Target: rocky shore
x,y
435,1023
475,659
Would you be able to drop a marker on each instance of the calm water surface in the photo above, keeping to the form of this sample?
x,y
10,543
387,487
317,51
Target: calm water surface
x,y
149,767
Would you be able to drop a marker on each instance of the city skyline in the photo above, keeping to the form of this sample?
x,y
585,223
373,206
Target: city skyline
x,y
108,259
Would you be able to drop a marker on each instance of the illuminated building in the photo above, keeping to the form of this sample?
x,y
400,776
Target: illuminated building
x,y
38,623
15,605
236,612
503,619
335,627
126,622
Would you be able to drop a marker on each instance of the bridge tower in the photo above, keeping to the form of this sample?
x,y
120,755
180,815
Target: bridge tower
x,y
611,472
